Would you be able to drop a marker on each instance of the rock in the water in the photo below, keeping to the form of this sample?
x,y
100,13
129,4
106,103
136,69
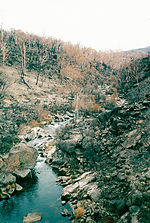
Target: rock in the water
x,y
11,190
18,187
65,213
32,217
63,202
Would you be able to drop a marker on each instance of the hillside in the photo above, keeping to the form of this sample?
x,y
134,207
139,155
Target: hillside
x,y
146,49
105,148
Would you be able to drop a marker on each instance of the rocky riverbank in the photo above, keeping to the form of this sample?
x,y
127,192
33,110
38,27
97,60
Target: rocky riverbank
x,y
16,166
103,163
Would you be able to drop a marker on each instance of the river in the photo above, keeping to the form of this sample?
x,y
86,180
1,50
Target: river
x,y
42,194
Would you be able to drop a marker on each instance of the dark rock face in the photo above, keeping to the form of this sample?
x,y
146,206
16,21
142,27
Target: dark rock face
x,y
135,84
114,145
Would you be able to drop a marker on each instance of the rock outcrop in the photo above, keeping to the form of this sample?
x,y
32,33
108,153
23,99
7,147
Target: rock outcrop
x,y
16,166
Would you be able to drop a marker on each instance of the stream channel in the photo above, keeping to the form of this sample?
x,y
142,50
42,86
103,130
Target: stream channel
x,y
42,194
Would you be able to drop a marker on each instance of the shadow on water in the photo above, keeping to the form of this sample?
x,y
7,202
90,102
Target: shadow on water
x,y
41,195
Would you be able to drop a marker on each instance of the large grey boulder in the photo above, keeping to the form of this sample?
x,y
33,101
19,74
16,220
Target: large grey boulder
x,y
21,157
72,141
16,165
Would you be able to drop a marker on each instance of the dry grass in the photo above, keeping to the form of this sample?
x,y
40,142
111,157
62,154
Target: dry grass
x,y
44,116
79,212
23,129
52,143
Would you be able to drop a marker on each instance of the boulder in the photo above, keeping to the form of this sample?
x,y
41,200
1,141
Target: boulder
x,y
5,195
21,174
79,184
22,156
70,145
18,187
93,192
11,190
32,217
7,178
51,152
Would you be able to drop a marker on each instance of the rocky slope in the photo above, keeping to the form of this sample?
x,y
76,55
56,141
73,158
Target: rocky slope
x,y
103,161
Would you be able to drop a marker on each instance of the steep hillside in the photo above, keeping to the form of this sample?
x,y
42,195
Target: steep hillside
x,y
115,145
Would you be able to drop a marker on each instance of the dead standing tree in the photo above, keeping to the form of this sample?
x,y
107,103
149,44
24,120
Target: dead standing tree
x,y
22,62
3,47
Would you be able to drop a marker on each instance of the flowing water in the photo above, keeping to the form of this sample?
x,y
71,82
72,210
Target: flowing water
x,y
42,196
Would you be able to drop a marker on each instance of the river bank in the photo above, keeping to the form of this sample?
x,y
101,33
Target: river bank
x,y
101,178
40,192
103,164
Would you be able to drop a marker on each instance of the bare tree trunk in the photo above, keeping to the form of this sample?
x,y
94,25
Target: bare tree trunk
x,y
21,74
4,53
37,77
